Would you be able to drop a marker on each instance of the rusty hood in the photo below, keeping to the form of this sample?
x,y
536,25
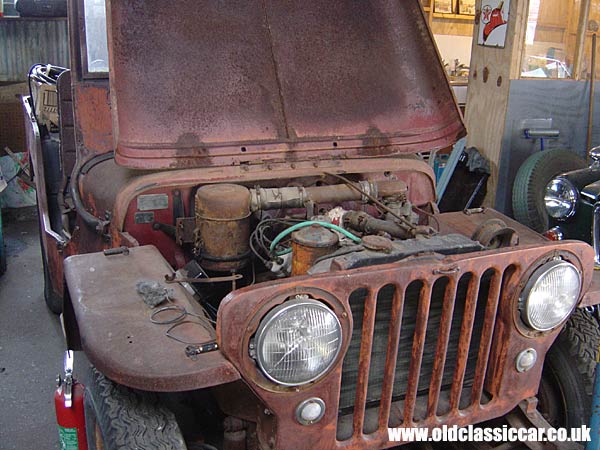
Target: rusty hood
x,y
215,82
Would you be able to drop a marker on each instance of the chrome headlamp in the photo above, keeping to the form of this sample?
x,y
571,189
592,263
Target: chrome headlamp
x,y
298,341
550,295
560,198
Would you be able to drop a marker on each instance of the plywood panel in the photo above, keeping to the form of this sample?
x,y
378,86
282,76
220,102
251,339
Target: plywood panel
x,y
554,13
487,101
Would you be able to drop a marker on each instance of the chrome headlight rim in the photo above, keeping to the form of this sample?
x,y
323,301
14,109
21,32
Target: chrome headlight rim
x,y
535,277
276,312
574,197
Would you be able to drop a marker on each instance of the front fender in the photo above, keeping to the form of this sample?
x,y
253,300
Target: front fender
x,y
117,334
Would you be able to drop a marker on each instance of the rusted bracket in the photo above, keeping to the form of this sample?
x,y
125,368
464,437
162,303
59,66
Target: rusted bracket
x,y
184,230
173,279
470,212
194,350
494,233
116,251
528,416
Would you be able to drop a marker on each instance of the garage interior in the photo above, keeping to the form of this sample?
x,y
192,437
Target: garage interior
x,y
454,142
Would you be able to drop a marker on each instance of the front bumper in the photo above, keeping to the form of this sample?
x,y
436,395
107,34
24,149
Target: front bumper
x,y
444,395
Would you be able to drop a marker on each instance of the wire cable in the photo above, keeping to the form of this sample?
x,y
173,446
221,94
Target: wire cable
x,y
308,223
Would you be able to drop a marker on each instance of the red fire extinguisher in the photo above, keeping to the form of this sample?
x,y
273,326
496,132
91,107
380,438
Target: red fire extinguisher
x,y
68,402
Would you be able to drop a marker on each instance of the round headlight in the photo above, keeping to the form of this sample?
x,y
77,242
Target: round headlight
x,y
560,198
298,341
550,295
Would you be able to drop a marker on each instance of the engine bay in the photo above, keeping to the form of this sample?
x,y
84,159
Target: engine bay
x,y
240,234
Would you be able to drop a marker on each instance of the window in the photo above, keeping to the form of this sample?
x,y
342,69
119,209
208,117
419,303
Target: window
x,y
95,57
551,39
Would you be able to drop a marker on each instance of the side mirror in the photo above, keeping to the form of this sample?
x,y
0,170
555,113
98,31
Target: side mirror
x,y
595,154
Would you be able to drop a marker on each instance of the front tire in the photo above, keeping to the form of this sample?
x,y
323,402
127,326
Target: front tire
x,y
565,395
120,418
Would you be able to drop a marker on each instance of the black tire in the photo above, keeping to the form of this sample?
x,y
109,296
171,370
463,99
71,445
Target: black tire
x,y
531,180
121,418
565,395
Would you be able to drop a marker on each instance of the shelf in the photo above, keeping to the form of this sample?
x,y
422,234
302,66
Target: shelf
x,y
453,16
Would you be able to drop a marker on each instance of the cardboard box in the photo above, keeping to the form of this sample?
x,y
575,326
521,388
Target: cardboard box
x,y
12,127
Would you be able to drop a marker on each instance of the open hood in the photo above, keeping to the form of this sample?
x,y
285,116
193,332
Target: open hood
x,y
213,82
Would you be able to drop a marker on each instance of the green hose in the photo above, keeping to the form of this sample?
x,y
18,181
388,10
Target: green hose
x,y
308,223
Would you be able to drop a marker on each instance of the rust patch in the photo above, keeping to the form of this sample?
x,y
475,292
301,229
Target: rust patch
x,y
375,143
92,116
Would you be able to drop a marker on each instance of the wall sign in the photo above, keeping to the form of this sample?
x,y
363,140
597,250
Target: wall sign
x,y
493,23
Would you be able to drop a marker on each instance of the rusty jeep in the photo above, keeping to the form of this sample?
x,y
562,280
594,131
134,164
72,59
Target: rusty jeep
x,y
240,234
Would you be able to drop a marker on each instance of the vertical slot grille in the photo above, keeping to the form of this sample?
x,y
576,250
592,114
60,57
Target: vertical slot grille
x,y
434,339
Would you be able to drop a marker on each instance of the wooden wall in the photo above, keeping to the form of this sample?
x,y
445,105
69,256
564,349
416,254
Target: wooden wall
x,y
489,84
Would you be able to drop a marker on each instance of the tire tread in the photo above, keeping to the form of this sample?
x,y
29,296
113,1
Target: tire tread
x,y
131,419
583,337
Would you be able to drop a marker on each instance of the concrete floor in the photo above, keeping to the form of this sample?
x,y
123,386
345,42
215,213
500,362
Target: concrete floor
x,y
31,342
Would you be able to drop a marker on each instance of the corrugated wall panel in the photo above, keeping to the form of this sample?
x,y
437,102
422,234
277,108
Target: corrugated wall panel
x,y
24,42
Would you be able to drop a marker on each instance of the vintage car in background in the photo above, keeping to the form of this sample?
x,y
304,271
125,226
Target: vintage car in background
x,y
242,239
572,201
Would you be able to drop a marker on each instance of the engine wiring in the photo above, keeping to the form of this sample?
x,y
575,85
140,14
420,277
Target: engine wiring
x,y
269,243
263,235
308,223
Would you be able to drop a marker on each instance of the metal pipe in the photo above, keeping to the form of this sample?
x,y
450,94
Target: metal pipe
x,y
588,143
298,197
361,221
534,133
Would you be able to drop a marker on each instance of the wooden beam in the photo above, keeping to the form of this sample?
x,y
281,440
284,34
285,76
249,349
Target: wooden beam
x,y
584,15
489,84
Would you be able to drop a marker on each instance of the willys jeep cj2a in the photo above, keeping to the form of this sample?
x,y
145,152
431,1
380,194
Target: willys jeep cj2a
x,y
245,244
